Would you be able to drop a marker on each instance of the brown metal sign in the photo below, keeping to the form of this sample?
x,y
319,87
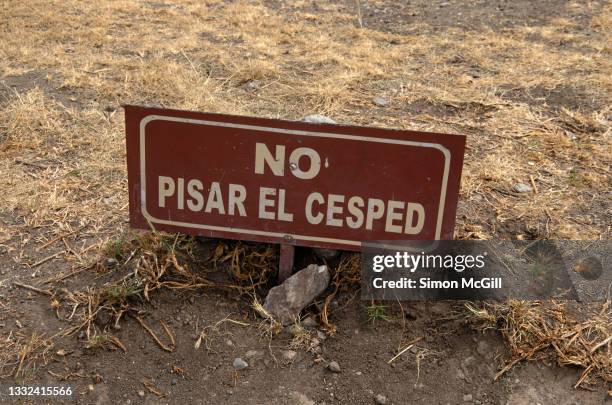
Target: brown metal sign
x,y
297,183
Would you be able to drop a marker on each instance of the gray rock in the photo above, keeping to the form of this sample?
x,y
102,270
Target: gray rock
x,y
239,364
252,85
381,399
289,355
318,119
284,302
111,263
522,188
174,381
381,102
326,254
467,398
334,367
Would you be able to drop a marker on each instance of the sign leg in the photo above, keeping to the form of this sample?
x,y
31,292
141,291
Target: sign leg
x,y
285,262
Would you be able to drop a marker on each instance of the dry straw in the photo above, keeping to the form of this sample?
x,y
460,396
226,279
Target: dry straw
x,y
553,331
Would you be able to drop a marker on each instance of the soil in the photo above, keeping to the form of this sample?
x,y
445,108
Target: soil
x,y
446,351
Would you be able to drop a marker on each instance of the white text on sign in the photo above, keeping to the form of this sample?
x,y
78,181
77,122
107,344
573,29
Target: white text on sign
x,y
334,210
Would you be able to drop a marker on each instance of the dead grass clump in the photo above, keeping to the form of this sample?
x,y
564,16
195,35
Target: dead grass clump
x,y
551,331
302,338
254,69
268,326
250,265
210,333
28,121
346,275
21,355
104,341
142,264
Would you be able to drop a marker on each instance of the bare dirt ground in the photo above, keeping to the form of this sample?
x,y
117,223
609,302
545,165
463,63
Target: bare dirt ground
x,y
528,82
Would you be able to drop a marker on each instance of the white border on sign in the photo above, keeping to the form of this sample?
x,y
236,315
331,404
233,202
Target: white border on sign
x,y
143,193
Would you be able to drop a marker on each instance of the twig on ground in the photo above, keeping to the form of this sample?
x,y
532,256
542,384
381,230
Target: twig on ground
x,y
169,349
32,288
46,259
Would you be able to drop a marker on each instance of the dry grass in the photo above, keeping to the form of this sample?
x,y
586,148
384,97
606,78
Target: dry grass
x,y
552,331
21,355
62,134
346,275
210,333
269,326
143,264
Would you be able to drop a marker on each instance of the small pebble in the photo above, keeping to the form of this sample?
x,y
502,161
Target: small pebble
x,y
252,85
111,263
174,381
289,355
334,367
522,188
141,393
381,399
381,102
467,398
318,119
240,364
